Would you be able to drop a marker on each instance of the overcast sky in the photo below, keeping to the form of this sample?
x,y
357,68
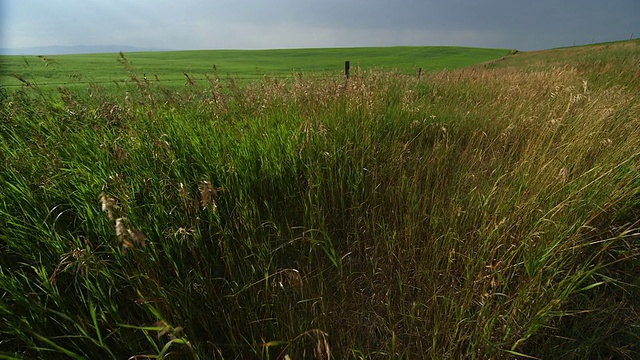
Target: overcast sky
x,y
263,24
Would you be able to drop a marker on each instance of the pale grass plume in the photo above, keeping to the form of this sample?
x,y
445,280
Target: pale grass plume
x,y
108,205
129,237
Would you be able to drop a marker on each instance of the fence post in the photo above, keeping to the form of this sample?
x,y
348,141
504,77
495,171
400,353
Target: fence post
x,y
346,69
419,72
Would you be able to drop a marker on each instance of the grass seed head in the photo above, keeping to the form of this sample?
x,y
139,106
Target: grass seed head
x,y
108,205
208,196
128,236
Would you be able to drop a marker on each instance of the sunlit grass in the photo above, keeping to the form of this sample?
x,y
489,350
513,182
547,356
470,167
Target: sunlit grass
x,y
169,68
475,213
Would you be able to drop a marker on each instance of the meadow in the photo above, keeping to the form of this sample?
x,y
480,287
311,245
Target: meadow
x,y
241,65
490,211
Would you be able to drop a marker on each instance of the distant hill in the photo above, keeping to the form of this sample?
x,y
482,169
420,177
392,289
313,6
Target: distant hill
x,y
76,49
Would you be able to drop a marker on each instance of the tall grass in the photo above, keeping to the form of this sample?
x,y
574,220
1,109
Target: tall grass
x,y
477,213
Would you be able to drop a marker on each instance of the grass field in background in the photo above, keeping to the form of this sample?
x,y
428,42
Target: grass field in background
x,y
59,70
487,212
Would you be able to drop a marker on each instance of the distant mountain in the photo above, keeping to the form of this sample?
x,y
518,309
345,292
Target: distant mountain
x,y
76,49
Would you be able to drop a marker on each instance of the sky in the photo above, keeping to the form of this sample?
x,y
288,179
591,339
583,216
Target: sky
x,y
274,24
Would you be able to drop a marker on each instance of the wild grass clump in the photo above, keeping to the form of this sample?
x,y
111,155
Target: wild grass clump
x,y
477,213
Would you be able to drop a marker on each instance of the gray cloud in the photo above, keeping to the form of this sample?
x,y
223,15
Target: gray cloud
x,y
200,24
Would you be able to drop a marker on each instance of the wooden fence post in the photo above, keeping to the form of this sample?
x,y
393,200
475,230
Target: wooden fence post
x,y
346,69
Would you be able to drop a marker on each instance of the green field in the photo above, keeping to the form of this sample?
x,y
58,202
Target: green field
x,y
239,64
486,212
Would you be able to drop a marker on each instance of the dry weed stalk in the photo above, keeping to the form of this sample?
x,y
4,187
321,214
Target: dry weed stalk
x,y
208,195
81,259
321,351
286,278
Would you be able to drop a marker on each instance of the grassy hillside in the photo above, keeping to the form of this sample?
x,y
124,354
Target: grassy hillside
x,y
240,64
489,212
599,64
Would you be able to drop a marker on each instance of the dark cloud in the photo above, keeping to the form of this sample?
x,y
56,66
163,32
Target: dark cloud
x,y
498,23
533,24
